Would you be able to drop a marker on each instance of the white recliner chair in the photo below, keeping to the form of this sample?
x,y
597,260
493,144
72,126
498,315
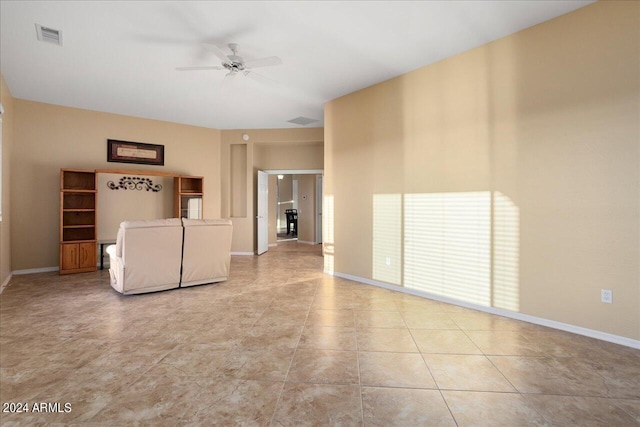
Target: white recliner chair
x,y
147,256
207,251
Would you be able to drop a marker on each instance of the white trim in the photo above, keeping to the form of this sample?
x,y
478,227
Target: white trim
x,y
307,243
604,336
242,253
35,270
294,171
271,245
6,282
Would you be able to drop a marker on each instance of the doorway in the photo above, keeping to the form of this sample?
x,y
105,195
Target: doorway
x,y
295,190
287,208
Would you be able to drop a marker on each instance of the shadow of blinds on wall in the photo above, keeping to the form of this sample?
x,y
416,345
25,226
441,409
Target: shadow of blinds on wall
x,y
447,248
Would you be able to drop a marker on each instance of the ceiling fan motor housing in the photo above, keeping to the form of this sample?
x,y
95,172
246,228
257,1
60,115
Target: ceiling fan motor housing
x,y
234,66
236,63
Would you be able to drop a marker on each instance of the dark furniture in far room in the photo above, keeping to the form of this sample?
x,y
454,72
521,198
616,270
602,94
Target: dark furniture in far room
x,y
292,221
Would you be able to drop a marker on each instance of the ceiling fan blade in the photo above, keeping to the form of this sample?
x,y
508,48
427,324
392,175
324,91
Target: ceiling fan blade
x,y
216,67
260,78
217,51
263,62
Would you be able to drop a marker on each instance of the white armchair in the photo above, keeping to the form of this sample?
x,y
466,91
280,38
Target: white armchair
x,y
207,251
147,256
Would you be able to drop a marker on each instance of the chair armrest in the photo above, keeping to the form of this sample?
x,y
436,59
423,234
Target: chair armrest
x,y
116,269
111,250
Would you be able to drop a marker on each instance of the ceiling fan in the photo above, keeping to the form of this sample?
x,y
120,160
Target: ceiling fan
x,y
236,64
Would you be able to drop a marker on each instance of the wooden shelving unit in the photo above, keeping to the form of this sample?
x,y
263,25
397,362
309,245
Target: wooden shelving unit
x,y
78,197
187,193
78,212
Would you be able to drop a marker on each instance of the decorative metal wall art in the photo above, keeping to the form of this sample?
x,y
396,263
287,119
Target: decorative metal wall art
x,y
134,183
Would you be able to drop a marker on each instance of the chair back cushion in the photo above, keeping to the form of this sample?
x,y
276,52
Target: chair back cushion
x,y
151,251
207,250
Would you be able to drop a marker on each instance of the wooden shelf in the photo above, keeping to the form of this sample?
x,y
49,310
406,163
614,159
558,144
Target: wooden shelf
x,y
78,200
79,218
191,184
77,180
184,189
136,172
78,196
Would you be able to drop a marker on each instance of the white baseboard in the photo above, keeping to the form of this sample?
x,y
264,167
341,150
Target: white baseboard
x,y
306,243
6,282
35,270
604,336
242,253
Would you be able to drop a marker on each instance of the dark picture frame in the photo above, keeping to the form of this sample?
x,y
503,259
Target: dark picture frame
x,y
135,152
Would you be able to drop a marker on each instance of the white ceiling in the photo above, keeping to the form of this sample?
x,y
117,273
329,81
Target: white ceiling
x,y
120,57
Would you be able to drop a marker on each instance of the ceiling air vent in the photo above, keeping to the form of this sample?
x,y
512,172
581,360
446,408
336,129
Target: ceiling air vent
x,y
49,35
302,121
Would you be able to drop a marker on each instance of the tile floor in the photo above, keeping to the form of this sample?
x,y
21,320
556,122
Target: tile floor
x,y
282,344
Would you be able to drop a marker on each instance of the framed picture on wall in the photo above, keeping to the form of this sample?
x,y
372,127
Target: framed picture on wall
x,y
135,152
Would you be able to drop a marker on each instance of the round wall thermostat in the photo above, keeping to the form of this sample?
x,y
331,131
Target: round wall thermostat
x,y
245,136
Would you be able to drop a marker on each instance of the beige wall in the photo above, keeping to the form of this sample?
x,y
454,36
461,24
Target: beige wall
x,y
7,143
239,174
282,156
115,206
49,137
306,208
545,124
267,149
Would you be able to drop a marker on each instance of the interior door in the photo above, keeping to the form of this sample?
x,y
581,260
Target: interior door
x,y
263,212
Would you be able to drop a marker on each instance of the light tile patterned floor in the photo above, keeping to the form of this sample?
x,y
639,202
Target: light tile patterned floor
x,y
282,344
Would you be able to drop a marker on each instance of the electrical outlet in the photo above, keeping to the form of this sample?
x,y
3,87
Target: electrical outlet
x,y
388,260
606,295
